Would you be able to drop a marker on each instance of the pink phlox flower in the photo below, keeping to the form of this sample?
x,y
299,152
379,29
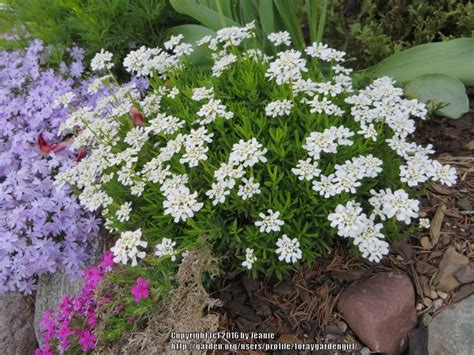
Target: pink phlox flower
x,y
107,261
92,277
87,340
140,290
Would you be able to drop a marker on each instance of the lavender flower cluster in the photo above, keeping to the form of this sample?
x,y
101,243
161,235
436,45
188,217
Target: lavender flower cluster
x,y
42,228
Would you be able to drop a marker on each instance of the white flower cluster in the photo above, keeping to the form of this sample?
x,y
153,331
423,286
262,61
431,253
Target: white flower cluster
x,y
351,222
249,258
323,52
102,61
280,38
155,61
270,223
166,248
243,154
173,147
288,249
126,247
382,102
278,108
287,68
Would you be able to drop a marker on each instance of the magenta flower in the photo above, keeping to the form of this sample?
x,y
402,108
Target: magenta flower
x,y
140,290
87,340
107,261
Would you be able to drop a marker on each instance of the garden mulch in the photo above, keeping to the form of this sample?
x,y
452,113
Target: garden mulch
x,y
302,307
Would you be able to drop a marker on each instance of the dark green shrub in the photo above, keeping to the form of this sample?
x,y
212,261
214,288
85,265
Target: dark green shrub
x,y
371,30
115,25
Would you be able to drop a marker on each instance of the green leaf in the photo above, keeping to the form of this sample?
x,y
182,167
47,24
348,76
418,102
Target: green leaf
x,y
289,16
265,9
201,13
246,8
440,88
192,33
453,58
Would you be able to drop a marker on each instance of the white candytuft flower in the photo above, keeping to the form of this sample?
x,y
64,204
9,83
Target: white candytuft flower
x,y
102,61
249,258
288,249
306,169
270,222
394,204
280,38
349,219
424,223
166,248
248,189
126,247
323,52
219,191
203,93
287,67
181,204
123,213
278,108
247,153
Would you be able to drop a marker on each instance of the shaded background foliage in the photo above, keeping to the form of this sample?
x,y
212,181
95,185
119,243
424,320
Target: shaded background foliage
x,y
116,25
371,30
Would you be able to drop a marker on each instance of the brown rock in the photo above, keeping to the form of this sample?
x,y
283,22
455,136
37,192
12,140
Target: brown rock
x,y
381,311
451,262
17,333
425,243
465,274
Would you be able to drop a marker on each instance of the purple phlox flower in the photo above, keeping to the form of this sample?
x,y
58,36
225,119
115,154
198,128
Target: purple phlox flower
x,y
140,289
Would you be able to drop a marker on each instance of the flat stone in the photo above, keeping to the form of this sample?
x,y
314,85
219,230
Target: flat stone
x,y
450,333
451,262
17,334
381,311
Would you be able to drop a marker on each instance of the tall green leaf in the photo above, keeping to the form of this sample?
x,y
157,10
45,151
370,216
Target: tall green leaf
x,y
454,58
287,11
439,88
246,9
201,13
267,17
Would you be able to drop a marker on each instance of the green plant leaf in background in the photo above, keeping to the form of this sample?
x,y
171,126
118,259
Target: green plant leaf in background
x,y
287,10
200,11
454,58
193,33
440,88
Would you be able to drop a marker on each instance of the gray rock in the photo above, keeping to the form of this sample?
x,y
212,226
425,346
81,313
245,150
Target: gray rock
x,y
17,334
451,332
53,287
